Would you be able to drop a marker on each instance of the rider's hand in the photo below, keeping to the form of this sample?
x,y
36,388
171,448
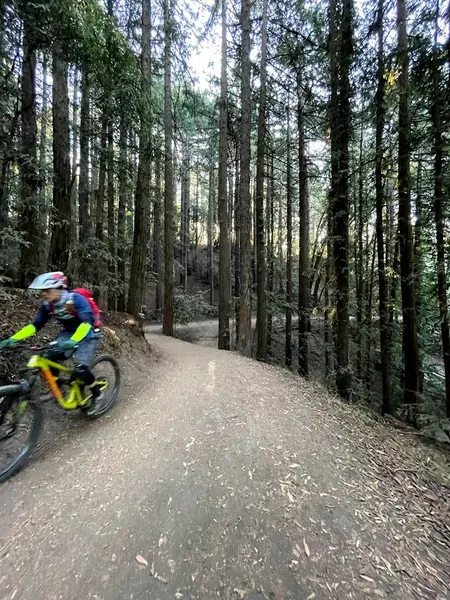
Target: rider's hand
x,y
7,343
66,345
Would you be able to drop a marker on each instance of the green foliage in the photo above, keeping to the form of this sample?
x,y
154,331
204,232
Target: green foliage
x,y
188,308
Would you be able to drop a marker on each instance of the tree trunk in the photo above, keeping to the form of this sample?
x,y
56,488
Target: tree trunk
x,y
304,301
289,296
74,184
185,207
83,188
100,206
379,193
341,55
270,244
417,250
168,176
43,202
410,340
245,322
138,278
61,211
111,221
29,218
359,261
157,215
224,239
121,215
439,212
237,242
261,313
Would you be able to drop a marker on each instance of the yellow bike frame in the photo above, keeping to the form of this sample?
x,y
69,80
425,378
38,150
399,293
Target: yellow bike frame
x,y
74,398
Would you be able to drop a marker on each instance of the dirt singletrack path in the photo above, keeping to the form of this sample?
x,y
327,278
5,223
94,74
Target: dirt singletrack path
x,y
223,478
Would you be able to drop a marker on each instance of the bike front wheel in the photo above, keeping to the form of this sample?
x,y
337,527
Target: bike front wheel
x,y
20,427
107,376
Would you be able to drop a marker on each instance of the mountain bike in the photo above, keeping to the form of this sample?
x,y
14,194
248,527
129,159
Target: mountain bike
x,y
21,408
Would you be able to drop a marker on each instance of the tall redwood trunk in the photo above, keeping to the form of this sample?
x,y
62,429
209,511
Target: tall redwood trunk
x,y
245,323
289,295
224,239
410,339
61,210
303,263
261,312
439,214
168,176
379,192
29,218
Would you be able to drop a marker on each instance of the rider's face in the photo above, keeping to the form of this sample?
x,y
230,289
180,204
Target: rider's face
x,y
52,295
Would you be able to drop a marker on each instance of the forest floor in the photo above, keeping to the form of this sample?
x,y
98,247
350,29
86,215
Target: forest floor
x,y
221,477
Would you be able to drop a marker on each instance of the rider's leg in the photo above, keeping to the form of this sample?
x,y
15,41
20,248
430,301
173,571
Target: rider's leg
x,y
84,357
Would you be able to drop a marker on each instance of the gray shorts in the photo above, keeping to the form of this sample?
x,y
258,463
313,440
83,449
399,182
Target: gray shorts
x,y
83,355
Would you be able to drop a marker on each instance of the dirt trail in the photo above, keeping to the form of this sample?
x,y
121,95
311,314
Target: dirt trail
x,y
228,478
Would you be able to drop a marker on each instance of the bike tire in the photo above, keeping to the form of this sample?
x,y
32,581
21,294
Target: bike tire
x,y
109,405
18,461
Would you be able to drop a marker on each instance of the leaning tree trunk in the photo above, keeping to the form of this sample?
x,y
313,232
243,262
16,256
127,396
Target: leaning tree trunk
x,y
168,177
245,321
29,218
138,277
261,312
61,210
224,235
410,340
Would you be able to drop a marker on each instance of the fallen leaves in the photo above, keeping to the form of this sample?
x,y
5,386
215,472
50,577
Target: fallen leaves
x,y
306,548
141,560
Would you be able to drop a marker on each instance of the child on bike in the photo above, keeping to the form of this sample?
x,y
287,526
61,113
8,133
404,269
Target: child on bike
x,y
81,331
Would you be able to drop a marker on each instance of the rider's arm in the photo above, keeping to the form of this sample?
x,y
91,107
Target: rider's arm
x,y
41,319
84,313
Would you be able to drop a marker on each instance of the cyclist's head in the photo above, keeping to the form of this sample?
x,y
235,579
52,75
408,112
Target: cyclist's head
x,y
51,285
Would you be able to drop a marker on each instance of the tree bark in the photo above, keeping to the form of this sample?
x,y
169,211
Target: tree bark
x,y
410,339
121,214
111,221
29,218
157,215
61,211
261,283
245,322
138,278
289,296
341,55
439,211
168,176
83,188
75,136
379,193
304,301
224,236
210,234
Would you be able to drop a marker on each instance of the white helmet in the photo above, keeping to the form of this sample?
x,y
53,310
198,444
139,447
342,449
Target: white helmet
x,y
48,281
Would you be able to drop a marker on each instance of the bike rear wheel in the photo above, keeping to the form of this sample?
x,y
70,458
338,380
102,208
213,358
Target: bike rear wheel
x,y
107,375
20,427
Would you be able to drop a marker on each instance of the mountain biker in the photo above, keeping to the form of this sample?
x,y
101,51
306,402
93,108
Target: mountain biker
x,y
81,332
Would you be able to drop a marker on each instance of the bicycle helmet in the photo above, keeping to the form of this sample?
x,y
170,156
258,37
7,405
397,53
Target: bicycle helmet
x,y
48,281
